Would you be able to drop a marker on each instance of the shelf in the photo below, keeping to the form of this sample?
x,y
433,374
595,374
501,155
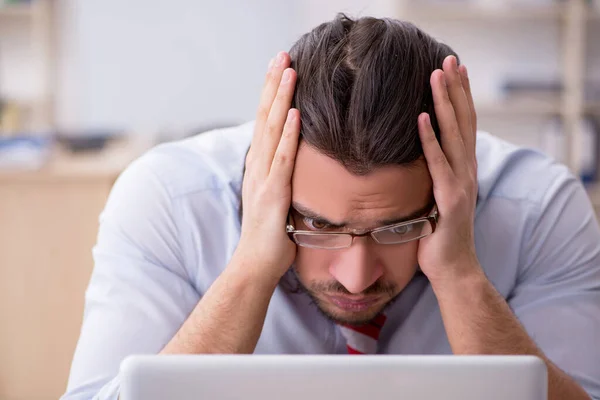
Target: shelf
x,y
593,108
521,108
469,11
61,164
593,191
594,13
16,10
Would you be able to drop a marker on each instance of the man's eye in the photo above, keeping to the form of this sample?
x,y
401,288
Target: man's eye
x,y
403,229
314,224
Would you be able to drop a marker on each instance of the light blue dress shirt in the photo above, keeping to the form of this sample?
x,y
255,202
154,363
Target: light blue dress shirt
x,y
171,225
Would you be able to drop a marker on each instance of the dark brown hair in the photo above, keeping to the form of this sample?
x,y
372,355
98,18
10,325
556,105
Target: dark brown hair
x,y
361,86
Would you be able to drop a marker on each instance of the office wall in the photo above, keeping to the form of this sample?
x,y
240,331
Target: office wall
x,y
171,65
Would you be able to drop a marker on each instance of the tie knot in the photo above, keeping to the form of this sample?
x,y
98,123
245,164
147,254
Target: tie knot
x,y
362,339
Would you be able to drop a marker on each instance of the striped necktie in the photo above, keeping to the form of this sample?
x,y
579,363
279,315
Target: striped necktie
x,y
362,339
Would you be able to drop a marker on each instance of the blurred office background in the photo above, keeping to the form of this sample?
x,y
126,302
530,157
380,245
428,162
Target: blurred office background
x,y
86,86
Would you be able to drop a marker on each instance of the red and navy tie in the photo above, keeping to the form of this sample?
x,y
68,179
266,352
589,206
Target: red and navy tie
x,y
362,339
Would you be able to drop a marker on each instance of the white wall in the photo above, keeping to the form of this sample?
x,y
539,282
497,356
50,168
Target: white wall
x,y
168,64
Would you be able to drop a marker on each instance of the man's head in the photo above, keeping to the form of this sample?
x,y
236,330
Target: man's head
x,y
360,88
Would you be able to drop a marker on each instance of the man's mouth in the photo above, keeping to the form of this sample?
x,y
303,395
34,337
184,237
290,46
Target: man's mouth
x,y
353,303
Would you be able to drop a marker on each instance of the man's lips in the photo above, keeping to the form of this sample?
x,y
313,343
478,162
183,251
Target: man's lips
x,y
353,303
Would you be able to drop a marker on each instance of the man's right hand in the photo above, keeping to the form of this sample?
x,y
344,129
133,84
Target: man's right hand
x,y
230,315
267,192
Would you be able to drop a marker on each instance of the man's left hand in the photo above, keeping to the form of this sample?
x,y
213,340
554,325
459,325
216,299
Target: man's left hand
x,y
449,253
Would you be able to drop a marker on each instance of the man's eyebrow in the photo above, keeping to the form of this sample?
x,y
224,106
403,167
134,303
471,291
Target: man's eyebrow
x,y
421,212
307,212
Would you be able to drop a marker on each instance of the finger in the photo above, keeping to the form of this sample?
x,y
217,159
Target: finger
x,y
467,88
274,126
460,103
452,142
285,155
276,67
439,168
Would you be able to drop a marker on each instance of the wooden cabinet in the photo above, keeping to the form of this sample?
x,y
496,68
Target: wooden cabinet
x,y
48,226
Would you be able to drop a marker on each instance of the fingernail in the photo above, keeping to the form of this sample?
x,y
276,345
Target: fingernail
x,y
466,72
291,115
287,74
280,58
271,63
443,79
427,120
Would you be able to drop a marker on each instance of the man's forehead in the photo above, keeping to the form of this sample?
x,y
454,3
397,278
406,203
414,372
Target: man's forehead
x,y
325,186
318,173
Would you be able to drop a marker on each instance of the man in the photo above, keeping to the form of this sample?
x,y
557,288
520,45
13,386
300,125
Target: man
x,y
354,220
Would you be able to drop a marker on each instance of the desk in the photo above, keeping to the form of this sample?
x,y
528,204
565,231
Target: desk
x,y
48,225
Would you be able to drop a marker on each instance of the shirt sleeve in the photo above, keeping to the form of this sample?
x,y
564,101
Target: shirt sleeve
x,y
557,296
140,292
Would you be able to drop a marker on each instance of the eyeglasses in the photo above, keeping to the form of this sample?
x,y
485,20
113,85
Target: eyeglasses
x,y
402,232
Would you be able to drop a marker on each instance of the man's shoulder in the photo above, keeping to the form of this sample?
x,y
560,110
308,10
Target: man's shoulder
x,y
211,160
518,173
519,189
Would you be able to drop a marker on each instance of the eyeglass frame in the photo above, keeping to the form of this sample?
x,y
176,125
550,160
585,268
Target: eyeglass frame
x,y
432,218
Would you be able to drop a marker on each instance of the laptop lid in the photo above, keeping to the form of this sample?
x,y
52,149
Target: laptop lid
x,y
331,377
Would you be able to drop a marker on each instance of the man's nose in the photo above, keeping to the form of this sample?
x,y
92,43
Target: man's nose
x,y
356,267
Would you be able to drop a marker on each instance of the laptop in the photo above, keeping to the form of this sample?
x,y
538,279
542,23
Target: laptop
x,y
332,377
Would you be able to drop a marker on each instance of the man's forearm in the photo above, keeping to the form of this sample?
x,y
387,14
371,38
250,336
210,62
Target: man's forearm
x,y
230,316
479,321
